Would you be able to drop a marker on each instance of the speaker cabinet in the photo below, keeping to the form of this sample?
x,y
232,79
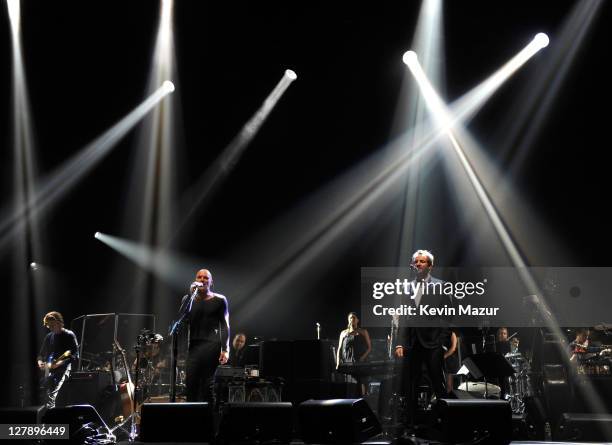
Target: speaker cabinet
x,y
585,427
256,422
176,422
28,414
467,420
90,388
74,415
86,387
84,422
337,421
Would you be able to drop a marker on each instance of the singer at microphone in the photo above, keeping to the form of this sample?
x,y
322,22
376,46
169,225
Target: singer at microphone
x,y
208,320
195,287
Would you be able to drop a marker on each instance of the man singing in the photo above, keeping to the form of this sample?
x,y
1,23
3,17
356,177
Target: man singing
x,y
208,319
423,345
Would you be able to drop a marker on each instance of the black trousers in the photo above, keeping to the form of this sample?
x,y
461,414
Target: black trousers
x,y
412,371
202,363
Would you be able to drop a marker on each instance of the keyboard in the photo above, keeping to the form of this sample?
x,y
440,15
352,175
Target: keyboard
x,y
373,368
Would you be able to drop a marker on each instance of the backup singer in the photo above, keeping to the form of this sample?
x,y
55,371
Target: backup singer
x,y
208,320
354,345
57,353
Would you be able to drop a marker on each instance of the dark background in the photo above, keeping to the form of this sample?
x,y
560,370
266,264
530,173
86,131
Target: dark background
x,y
87,64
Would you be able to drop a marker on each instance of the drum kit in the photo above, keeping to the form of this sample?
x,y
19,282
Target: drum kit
x,y
519,384
145,378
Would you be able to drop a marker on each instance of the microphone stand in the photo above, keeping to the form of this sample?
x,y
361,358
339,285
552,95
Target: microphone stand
x,y
184,310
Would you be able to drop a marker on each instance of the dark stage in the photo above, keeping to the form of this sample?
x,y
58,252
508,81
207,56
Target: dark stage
x,y
264,183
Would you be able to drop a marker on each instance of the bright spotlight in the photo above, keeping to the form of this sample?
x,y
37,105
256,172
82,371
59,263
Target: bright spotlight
x,y
168,86
97,235
14,13
290,74
410,58
34,266
541,40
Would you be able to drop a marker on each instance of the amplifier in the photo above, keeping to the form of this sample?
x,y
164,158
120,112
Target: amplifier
x,y
585,427
89,388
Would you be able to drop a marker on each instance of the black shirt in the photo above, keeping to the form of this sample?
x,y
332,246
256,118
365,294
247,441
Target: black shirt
x,y
55,345
207,321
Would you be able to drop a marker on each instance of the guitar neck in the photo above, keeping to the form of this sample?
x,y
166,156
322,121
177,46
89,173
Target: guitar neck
x,y
125,362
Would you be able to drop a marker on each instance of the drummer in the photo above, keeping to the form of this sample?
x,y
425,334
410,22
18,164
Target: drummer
x,y
152,361
501,341
580,349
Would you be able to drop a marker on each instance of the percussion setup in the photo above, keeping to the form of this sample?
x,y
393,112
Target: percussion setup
x,y
519,384
144,377
152,370
595,363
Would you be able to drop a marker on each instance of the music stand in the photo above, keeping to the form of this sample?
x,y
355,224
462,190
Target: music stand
x,y
489,365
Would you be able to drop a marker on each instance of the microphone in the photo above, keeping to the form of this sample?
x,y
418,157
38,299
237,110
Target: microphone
x,y
195,286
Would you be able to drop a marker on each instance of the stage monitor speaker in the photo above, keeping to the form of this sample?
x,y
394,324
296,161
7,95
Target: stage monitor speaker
x,y
256,422
83,421
337,421
585,428
75,415
176,422
28,414
317,389
467,420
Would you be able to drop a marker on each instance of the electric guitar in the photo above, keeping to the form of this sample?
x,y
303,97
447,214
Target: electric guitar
x,y
52,362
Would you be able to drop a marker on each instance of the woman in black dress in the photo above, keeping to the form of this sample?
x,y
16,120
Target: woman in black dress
x,y
354,345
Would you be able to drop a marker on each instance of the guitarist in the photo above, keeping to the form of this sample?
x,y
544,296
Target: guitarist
x,y
57,353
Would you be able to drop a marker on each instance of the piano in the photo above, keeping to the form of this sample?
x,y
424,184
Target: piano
x,y
378,368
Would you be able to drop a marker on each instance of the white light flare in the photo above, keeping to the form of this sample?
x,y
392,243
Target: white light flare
x,y
541,40
471,102
441,112
290,74
14,10
232,153
167,87
64,178
432,99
